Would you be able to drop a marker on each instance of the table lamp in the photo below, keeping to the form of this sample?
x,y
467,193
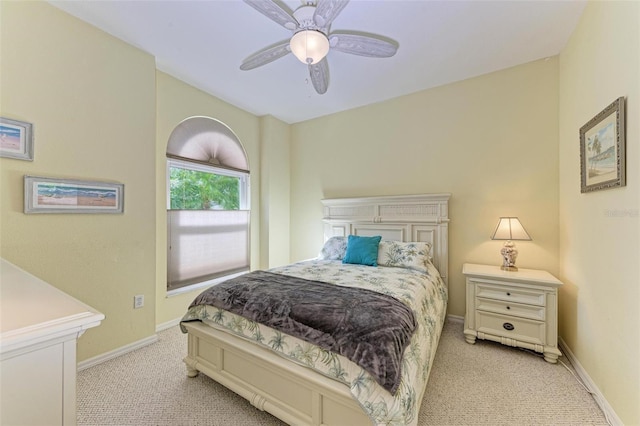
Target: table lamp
x,y
509,229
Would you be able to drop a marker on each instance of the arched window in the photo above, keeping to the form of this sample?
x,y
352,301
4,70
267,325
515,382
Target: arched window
x,y
207,204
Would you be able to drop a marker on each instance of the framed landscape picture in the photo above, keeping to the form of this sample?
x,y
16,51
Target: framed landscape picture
x,y
602,149
16,139
48,195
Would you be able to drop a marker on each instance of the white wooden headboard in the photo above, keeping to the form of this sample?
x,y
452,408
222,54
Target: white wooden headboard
x,y
423,218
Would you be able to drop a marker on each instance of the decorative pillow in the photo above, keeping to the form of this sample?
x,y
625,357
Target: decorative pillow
x,y
404,255
362,250
334,249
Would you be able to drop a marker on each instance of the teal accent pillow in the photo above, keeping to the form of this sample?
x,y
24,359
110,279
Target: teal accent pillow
x,y
362,250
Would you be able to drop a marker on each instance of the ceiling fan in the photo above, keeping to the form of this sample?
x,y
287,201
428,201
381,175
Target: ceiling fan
x,y
311,40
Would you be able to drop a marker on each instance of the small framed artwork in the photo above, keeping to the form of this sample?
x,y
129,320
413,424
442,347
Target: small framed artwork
x,y
48,195
16,139
602,149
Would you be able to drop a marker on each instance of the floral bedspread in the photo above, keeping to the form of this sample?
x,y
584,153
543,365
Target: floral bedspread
x,y
424,293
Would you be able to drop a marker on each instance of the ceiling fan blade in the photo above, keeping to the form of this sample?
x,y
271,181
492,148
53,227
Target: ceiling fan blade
x,y
320,76
265,56
327,10
363,45
274,12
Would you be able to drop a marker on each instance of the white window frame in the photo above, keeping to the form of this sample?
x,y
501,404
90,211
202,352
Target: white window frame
x,y
245,189
244,204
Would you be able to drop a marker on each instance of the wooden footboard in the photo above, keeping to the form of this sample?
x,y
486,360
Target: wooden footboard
x,y
293,393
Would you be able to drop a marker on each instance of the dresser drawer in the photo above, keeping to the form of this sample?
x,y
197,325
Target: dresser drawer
x,y
520,329
509,308
509,294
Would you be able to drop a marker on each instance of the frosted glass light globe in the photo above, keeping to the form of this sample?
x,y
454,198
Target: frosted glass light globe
x,y
309,46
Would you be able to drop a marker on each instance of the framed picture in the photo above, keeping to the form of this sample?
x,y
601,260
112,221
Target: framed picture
x,y
16,139
602,143
48,195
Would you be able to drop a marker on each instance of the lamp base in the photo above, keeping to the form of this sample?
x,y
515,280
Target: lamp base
x,y
509,268
509,254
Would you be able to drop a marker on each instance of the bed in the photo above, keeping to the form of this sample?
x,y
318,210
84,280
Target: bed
x,y
304,383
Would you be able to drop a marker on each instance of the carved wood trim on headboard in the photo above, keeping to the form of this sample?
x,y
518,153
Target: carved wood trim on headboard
x,y
423,217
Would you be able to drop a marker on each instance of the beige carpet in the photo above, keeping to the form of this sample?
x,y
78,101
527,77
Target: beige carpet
x,y
481,384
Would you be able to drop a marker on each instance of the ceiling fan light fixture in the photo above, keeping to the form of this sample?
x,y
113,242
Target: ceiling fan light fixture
x,y
309,46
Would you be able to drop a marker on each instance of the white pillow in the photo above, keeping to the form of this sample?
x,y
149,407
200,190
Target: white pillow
x,y
410,255
334,249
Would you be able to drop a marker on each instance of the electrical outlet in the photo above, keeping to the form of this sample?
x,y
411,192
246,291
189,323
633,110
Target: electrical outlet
x,y
138,301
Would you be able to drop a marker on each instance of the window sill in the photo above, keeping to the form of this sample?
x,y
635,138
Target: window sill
x,y
198,286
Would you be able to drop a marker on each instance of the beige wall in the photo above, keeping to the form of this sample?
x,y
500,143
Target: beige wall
x,y
274,191
91,99
177,101
101,111
490,141
600,231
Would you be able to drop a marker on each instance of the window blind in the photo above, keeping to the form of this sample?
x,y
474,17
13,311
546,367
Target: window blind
x,y
206,244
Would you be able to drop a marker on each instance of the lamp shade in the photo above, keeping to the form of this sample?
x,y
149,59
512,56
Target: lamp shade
x,y
510,228
310,46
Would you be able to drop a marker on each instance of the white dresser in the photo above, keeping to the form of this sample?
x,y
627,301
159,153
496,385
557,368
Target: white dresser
x,y
515,308
39,328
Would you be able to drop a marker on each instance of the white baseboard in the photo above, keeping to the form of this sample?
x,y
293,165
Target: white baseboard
x,y
455,318
116,352
168,324
608,411
127,348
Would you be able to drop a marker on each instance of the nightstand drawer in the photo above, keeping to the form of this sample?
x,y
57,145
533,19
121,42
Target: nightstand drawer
x,y
509,294
520,329
509,308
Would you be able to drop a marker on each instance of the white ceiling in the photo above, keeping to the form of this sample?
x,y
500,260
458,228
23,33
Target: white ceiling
x,y
204,42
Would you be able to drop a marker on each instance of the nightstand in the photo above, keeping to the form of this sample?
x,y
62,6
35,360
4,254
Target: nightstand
x,y
515,308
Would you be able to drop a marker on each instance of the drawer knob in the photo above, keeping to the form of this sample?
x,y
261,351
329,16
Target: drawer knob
x,y
508,326
508,294
508,307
